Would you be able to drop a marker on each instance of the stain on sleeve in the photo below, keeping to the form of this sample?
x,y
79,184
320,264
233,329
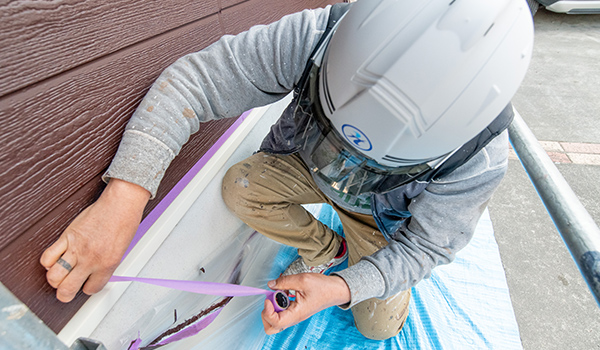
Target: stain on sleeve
x,y
189,113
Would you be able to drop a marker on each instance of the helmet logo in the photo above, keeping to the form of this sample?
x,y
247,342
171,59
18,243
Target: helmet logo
x,y
356,137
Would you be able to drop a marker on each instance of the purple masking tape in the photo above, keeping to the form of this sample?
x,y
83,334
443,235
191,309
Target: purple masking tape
x,y
185,180
193,330
135,345
200,287
279,300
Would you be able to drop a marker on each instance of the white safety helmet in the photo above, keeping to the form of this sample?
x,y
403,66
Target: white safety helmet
x,y
410,81
405,83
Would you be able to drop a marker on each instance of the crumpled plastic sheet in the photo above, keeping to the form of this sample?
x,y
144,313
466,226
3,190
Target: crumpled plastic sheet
x,y
246,260
463,305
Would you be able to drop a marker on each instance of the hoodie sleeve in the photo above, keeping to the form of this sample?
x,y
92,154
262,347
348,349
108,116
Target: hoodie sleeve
x,y
235,74
443,221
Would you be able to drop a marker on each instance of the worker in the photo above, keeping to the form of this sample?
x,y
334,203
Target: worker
x,y
397,121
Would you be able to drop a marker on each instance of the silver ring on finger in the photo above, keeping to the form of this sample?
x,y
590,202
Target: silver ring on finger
x,y
62,262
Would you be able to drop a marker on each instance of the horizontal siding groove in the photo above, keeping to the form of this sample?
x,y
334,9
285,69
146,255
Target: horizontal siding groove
x,y
26,90
225,4
86,116
44,38
64,212
253,12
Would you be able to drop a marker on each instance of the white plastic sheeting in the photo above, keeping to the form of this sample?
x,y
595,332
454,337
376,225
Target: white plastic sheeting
x,y
245,260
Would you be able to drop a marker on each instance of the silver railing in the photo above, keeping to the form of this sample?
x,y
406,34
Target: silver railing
x,y
577,228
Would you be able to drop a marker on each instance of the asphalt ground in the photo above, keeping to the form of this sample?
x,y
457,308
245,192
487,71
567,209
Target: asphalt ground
x,y
560,101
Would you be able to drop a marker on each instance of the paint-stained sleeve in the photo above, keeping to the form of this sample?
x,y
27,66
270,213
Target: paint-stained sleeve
x,y
443,221
235,74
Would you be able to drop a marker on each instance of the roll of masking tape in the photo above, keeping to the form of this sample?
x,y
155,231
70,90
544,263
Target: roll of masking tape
x,y
279,300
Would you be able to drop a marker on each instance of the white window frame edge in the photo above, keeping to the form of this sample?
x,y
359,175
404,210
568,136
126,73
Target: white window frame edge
x,y
89,316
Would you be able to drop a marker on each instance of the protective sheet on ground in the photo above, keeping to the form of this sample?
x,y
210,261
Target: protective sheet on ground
x,y
246,260
464,305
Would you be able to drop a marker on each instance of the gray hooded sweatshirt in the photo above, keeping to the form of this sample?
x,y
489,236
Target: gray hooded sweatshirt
x,y
261,66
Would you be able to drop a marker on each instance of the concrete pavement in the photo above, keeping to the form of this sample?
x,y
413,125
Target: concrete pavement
x,y
560,101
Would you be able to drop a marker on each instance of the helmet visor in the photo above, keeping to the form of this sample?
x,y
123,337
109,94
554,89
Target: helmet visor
x,y
336,163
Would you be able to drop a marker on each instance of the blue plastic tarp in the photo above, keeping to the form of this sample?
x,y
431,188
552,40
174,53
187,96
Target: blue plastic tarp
x,y
463,305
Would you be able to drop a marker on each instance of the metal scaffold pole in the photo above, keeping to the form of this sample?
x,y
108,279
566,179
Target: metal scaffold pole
x,y
576,226
21,329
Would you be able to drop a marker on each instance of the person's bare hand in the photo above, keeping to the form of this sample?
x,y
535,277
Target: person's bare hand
x,y
314,292
94,243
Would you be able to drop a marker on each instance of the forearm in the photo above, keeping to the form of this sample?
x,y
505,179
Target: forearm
x,y
129,198
233,75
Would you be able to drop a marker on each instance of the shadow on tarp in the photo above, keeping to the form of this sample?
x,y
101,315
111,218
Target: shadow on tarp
x,y
464,305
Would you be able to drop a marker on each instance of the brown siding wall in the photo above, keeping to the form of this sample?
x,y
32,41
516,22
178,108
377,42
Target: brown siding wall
x,y
71,74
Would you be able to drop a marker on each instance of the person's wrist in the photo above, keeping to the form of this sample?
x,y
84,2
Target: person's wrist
x,y
343,291
123,204
120,190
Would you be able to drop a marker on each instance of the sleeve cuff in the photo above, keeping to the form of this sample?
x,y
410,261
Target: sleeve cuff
x,y
364,280
141,160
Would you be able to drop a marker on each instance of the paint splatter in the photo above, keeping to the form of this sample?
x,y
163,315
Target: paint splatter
x,y
243,182
189,113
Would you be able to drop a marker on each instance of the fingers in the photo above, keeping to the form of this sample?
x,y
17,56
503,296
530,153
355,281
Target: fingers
x,y
96,282
268,318
290,282
54,252
68,283
274,322
63,272
68,288
67,273
59,270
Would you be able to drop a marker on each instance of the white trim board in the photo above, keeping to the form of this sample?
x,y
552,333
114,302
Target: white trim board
x,y
94,311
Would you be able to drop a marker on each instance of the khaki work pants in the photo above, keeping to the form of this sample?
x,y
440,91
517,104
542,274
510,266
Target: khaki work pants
x,y
266,192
